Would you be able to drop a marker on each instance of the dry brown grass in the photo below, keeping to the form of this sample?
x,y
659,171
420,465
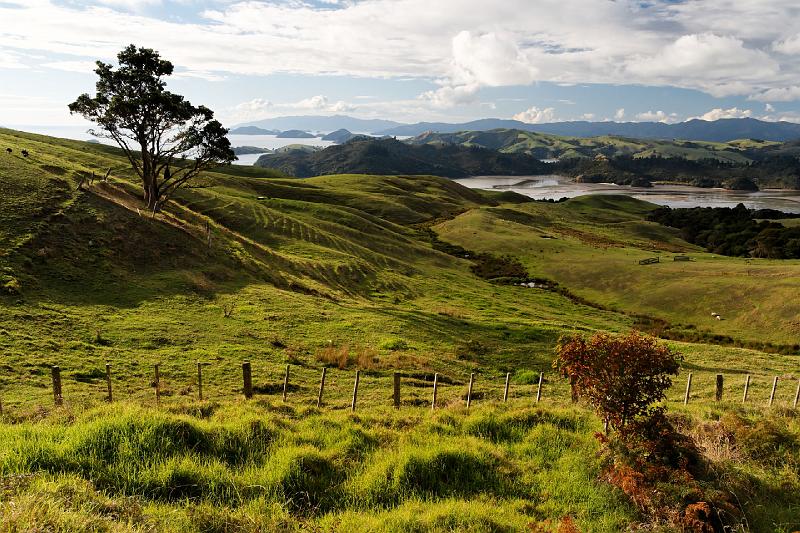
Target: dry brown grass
x,y
345,356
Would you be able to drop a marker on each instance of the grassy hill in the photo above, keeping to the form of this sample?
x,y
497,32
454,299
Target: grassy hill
x,y
547,146
343,271
593,245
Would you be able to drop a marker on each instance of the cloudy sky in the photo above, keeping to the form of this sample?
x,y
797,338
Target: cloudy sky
x,y
413,60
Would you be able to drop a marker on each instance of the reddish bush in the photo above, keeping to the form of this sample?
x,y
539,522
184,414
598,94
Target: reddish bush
x,y
622,377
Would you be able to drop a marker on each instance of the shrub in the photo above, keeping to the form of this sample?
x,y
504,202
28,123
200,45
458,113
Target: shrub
x,y
620,376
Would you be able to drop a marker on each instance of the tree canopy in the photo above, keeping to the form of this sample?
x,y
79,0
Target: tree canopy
x,y
167,140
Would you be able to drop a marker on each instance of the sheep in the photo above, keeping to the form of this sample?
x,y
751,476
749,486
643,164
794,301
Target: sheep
x,y
715,314
719,317
24,153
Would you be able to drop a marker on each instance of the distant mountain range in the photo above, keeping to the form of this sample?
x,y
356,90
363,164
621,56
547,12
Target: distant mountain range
x,y
722,130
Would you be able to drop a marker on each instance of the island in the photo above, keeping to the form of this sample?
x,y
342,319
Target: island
x,y
252,130
294,134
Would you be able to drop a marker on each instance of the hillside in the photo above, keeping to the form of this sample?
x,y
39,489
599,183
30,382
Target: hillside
x,y
388,156
546,146
354,272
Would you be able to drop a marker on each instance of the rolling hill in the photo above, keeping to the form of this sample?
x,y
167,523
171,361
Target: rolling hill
x,y
354,272
389,156
546,146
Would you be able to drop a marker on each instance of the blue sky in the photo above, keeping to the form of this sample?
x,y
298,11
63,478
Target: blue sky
x,y
418,60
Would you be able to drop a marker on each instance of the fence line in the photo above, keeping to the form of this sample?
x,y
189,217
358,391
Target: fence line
x,y
247,387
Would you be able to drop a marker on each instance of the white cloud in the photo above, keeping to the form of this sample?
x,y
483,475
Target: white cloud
x,y
657,116
314,103
342,107
258,108
723,47
790,45
619,116
449,96
133,5
779,94
720,65
490,59
11,60
534,115
719,113
254,105
480,60
85,67
769,108
319,103
588,116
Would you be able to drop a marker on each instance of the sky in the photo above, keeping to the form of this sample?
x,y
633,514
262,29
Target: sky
x,y
417,60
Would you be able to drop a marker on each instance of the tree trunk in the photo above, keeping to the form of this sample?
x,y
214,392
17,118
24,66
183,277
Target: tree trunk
x,y
151,196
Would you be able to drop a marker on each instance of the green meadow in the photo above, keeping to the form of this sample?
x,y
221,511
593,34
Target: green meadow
x,y
342,272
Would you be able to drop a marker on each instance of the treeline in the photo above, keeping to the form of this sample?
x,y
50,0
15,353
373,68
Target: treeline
x,y
737,231
777,171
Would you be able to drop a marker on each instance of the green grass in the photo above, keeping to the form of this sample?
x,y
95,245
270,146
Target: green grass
x,y
592,246
380,470
339,271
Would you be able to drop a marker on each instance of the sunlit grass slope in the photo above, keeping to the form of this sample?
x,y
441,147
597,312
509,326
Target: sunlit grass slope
x,y
593,245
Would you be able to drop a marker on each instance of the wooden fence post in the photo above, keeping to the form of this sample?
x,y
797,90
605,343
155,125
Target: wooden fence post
x,y
772,394
58,399
469,390
200,381
397,390
286,382
539,388
355,391
247,378
505,392
158,384
796,395
108,383
688,389
746,387
435,384
718,391
321,387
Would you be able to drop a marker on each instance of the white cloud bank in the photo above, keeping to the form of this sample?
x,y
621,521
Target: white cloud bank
x,y
534,115
719,113
723,47
657,116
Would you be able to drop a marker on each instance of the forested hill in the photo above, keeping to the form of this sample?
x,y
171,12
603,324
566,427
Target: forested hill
x,y
389,156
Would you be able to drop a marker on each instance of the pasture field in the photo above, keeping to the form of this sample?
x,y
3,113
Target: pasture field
x,y
593,245
342,272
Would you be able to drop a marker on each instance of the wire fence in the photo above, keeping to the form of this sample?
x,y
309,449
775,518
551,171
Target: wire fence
x,y
354,389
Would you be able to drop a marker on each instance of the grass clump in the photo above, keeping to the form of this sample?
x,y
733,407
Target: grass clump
x,y
434,470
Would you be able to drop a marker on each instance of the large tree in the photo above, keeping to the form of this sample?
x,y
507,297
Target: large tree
x,y
167,140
